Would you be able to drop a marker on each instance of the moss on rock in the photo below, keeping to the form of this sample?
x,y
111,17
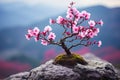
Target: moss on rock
x,y
69,60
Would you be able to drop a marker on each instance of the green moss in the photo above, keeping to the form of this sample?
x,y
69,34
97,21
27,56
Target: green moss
x,y
69,60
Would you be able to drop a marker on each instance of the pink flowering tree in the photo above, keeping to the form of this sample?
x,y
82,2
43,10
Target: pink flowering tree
x,y
73,30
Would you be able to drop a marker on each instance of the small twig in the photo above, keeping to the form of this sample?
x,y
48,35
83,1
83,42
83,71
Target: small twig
x,y
51,41
65,29
81,21
76,45
69,36
71,40
80,43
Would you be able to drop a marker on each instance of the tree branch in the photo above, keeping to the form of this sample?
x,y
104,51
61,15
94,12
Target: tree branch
x,y
51,41
65,29
69,36
76,45
71,40
81,21
80,43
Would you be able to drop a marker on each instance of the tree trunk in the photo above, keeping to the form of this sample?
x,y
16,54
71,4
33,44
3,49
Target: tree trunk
x,y
65,48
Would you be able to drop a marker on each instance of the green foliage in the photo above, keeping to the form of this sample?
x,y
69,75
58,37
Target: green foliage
x,y
69,60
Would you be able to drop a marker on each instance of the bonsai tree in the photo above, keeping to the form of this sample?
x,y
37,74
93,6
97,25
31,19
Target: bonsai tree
x,y
74,33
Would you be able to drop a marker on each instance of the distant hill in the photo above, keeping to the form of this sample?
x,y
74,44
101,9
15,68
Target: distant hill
x,y
19,14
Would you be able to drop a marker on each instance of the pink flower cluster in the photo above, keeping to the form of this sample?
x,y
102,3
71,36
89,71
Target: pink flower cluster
x,y
33,32
72,25
45,36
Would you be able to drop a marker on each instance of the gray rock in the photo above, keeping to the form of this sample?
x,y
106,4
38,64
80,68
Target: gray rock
x,y
96,69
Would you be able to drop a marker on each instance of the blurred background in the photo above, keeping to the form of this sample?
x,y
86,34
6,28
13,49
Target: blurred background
x,y
17,16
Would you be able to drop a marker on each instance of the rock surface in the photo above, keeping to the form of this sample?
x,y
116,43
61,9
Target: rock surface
x,y
96,69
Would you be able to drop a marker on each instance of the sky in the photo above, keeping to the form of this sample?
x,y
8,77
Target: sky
x,y
64,3
34,10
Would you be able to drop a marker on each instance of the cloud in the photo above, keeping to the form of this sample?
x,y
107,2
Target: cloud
x,y
64,3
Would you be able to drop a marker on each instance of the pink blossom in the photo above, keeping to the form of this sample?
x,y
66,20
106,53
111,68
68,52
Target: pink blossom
x,y
86,31
95,31
91,35
33,33
28,36
84,13
69,11
76,14
43,33
89,43
81,34
74,23
87,16
99,43
71,4
92,23
44,42
30,32
80,27
75,11
36,31
36,39
51,21
47,28
80,15
68,26
60,20
77,17
75,29
100,22
68,33
51,36
69,16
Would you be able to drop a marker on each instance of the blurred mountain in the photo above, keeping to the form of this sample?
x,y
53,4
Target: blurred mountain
x,y
21,58
15,14
14,46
